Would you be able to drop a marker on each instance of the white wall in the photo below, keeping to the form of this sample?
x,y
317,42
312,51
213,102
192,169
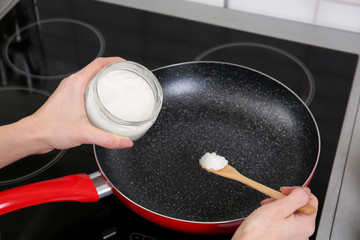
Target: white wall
x,y
340,14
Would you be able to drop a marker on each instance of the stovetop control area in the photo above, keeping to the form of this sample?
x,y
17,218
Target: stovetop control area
x,y
43,42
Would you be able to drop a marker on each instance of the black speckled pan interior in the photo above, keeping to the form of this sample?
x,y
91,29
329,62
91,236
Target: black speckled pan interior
x,y
265,131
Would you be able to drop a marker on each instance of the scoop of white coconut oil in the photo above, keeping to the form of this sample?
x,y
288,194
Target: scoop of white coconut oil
x,y
212,161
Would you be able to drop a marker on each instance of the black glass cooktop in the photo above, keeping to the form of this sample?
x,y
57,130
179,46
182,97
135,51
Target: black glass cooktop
x,y
44,41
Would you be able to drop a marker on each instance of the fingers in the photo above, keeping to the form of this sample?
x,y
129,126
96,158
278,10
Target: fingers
x,y
88,72
80,80
297,198
267,201
312,199
286,191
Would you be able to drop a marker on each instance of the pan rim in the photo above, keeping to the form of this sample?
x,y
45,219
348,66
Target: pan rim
x,y
224,221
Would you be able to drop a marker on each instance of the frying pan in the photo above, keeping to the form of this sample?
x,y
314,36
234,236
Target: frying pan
x,y
263,129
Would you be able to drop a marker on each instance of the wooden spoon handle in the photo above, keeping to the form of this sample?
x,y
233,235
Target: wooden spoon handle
x,y
307,209
232,173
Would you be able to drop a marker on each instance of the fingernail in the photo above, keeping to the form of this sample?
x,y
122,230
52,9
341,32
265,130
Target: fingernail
x,y
284,188
126,143
307,190
264,201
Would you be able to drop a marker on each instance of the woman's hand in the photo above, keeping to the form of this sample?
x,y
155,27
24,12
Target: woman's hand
x,y
63,117
279,220
61,123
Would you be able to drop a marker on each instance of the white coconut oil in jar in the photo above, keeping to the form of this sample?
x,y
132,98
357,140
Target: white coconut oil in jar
x,y
124,98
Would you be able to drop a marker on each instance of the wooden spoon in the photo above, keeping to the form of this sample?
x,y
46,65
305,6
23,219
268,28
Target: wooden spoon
x,y
230,172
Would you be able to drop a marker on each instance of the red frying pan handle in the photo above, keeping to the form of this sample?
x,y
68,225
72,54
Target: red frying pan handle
x,y
78,187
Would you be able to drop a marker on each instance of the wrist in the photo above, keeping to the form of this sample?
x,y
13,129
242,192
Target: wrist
x,y
33,136
19,140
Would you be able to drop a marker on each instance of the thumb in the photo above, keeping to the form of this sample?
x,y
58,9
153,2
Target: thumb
x,y
296,199
106,139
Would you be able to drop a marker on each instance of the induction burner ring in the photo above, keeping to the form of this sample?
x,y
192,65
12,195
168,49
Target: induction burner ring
x,y
53,34
33,174
243,53
30,99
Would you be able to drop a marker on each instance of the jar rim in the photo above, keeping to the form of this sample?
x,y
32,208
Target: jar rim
x,y
139,70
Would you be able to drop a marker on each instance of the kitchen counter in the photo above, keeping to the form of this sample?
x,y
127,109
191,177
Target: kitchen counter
x,y
6,6
340,216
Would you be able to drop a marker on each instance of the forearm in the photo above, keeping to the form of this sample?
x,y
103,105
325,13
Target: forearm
x,y
19,140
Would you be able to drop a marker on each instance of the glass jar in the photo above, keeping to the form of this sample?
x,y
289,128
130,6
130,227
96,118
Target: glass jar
x,y
124,98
